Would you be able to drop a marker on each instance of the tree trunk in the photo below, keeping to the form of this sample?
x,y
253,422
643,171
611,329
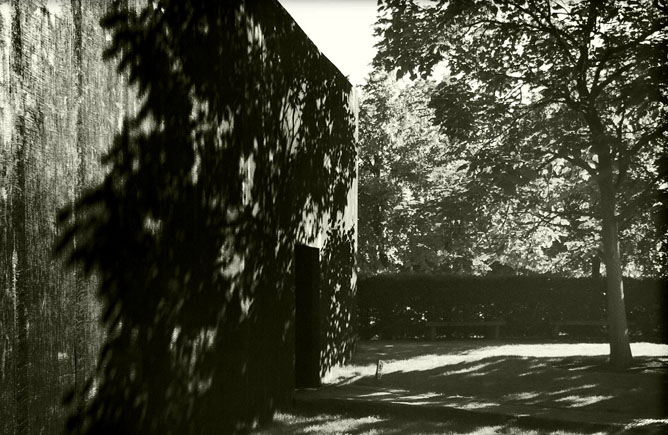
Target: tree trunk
x,y
595,266
620,349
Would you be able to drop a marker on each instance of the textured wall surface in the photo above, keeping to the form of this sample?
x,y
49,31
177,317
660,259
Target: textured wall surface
x,y
60,106
271,119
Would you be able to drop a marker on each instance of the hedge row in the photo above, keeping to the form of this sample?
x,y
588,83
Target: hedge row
x,y
398,306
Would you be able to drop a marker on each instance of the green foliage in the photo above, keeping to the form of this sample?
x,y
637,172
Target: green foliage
x,y
339,325
399,149
399,305
244,130
420,210
546,101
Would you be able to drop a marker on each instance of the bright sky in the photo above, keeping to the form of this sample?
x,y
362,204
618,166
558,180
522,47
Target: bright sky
x,y
342,30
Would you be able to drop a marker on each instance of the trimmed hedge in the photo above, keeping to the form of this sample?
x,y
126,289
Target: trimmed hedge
x,y
398,306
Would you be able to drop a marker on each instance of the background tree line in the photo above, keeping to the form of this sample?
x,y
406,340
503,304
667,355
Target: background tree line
x,y
558,110
421,210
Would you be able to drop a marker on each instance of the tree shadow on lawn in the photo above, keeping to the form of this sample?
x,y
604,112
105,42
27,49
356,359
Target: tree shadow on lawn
x,y
356,422
566,381
481,387
582,383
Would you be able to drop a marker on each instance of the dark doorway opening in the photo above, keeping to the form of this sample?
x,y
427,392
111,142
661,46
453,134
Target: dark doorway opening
x,y
307,317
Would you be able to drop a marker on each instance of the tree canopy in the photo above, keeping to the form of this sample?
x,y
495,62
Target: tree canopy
x,y
399,149
420,210
570,89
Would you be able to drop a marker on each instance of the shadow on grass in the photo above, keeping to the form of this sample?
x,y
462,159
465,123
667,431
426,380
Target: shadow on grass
x,y
363,423
582,383
553,386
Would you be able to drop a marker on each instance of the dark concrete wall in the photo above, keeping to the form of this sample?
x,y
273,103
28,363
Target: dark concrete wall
x,y
60,107
321,214
275,115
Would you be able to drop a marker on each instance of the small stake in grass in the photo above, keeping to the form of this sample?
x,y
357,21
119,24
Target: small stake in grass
x,y
379,369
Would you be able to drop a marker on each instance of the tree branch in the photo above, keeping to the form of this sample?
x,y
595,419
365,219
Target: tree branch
x,y
613,51
576,161
583,58
551,29
596,88
648,193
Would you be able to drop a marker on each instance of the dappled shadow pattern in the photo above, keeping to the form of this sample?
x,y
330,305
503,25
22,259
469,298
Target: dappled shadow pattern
x,y
339,322
359,423
364,423
589,385
560,381
245,130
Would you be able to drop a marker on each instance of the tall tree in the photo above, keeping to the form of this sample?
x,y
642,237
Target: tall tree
x,y
538,85
399,148
421,211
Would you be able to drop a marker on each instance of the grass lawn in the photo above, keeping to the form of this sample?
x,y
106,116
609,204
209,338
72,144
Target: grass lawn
x,y
330,424
550,375
487,375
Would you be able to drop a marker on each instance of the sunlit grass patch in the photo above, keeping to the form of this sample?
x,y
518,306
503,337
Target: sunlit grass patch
x,y
479,376
330,424
420,356
448,359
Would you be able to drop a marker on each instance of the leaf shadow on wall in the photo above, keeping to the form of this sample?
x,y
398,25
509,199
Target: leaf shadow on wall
x,y
243,130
